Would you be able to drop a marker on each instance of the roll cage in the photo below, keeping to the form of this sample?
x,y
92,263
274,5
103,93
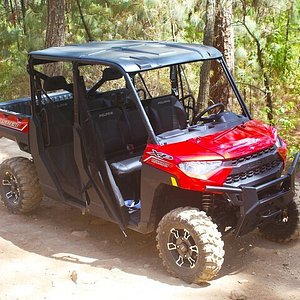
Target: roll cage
x,y
129,59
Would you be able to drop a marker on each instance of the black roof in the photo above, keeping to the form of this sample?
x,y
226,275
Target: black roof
x,y
132,56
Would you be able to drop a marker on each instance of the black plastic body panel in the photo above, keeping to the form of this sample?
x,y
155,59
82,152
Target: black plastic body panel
x,y
139,55
262,203
22,139
255,169
151,180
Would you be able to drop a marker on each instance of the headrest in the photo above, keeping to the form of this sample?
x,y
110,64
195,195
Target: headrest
x,y
169,100
55,83
111,74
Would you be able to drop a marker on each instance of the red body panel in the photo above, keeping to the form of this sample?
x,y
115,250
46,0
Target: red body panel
x,y
238,141
13,122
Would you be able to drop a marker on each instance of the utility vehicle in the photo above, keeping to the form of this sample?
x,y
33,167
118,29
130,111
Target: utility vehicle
x,y
119,134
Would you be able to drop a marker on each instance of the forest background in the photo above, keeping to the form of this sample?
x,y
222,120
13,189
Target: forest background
x,y
260,41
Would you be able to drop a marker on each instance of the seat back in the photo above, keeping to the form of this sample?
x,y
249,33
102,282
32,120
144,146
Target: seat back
x,y
167,113
138,132
113,129
55,83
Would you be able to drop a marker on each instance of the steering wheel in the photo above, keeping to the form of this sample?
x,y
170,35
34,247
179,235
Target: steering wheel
x,y
192,108
209,118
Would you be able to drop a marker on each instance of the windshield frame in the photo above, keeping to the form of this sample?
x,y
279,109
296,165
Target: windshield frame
x,y
155,138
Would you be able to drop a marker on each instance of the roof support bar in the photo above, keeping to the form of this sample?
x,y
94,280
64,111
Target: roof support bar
x,y
141,109
235,89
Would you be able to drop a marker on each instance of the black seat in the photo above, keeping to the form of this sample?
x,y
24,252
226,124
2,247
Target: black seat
x,y
115,136
112,127
126,166
121,128
167,113
56,83
138,132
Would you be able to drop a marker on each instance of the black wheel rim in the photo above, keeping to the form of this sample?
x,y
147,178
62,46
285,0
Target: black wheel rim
x,y
183,248
10,187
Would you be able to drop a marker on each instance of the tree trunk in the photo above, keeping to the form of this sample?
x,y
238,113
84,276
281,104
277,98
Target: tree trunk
x,y
267,84
287,31
224,41
203,94
23,7
55,35
17,12
86,28
6,5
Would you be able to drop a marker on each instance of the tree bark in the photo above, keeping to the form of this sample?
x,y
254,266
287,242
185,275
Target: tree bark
x,y
6,4
23,7
55,34
287,32
17,12
266,79
86,28
224,41
208,39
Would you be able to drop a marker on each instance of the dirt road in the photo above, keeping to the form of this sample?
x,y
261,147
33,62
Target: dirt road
x,y
57,253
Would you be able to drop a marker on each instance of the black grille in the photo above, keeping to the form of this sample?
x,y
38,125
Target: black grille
x,y
252,172
252,156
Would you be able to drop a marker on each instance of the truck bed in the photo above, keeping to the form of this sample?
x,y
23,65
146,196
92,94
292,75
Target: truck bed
x,y
20,106
15,118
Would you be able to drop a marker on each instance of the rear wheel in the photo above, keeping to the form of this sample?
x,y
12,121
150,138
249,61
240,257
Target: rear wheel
x,y
19,185
286,228
190,245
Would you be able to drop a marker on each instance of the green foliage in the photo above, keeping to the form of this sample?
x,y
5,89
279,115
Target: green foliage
x,y
14,47
275,24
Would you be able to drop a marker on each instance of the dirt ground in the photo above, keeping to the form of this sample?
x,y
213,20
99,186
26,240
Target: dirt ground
x,y
58,253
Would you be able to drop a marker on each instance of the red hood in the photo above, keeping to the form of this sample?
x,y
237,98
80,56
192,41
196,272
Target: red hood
x,y
241,140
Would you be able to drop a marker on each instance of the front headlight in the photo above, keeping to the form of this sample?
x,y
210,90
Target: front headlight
x,y
198,169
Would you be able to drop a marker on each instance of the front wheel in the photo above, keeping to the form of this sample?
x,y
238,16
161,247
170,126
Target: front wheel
x,y
190,245
287,227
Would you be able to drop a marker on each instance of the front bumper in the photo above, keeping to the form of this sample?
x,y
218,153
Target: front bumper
x,y
260,204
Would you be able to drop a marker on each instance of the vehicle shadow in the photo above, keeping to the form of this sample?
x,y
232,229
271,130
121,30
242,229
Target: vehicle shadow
x,y
61,232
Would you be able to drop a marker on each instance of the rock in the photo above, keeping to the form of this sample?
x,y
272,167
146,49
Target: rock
x,y
74,276
146,266
253,273
81,234
243,281
285,265
237,295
